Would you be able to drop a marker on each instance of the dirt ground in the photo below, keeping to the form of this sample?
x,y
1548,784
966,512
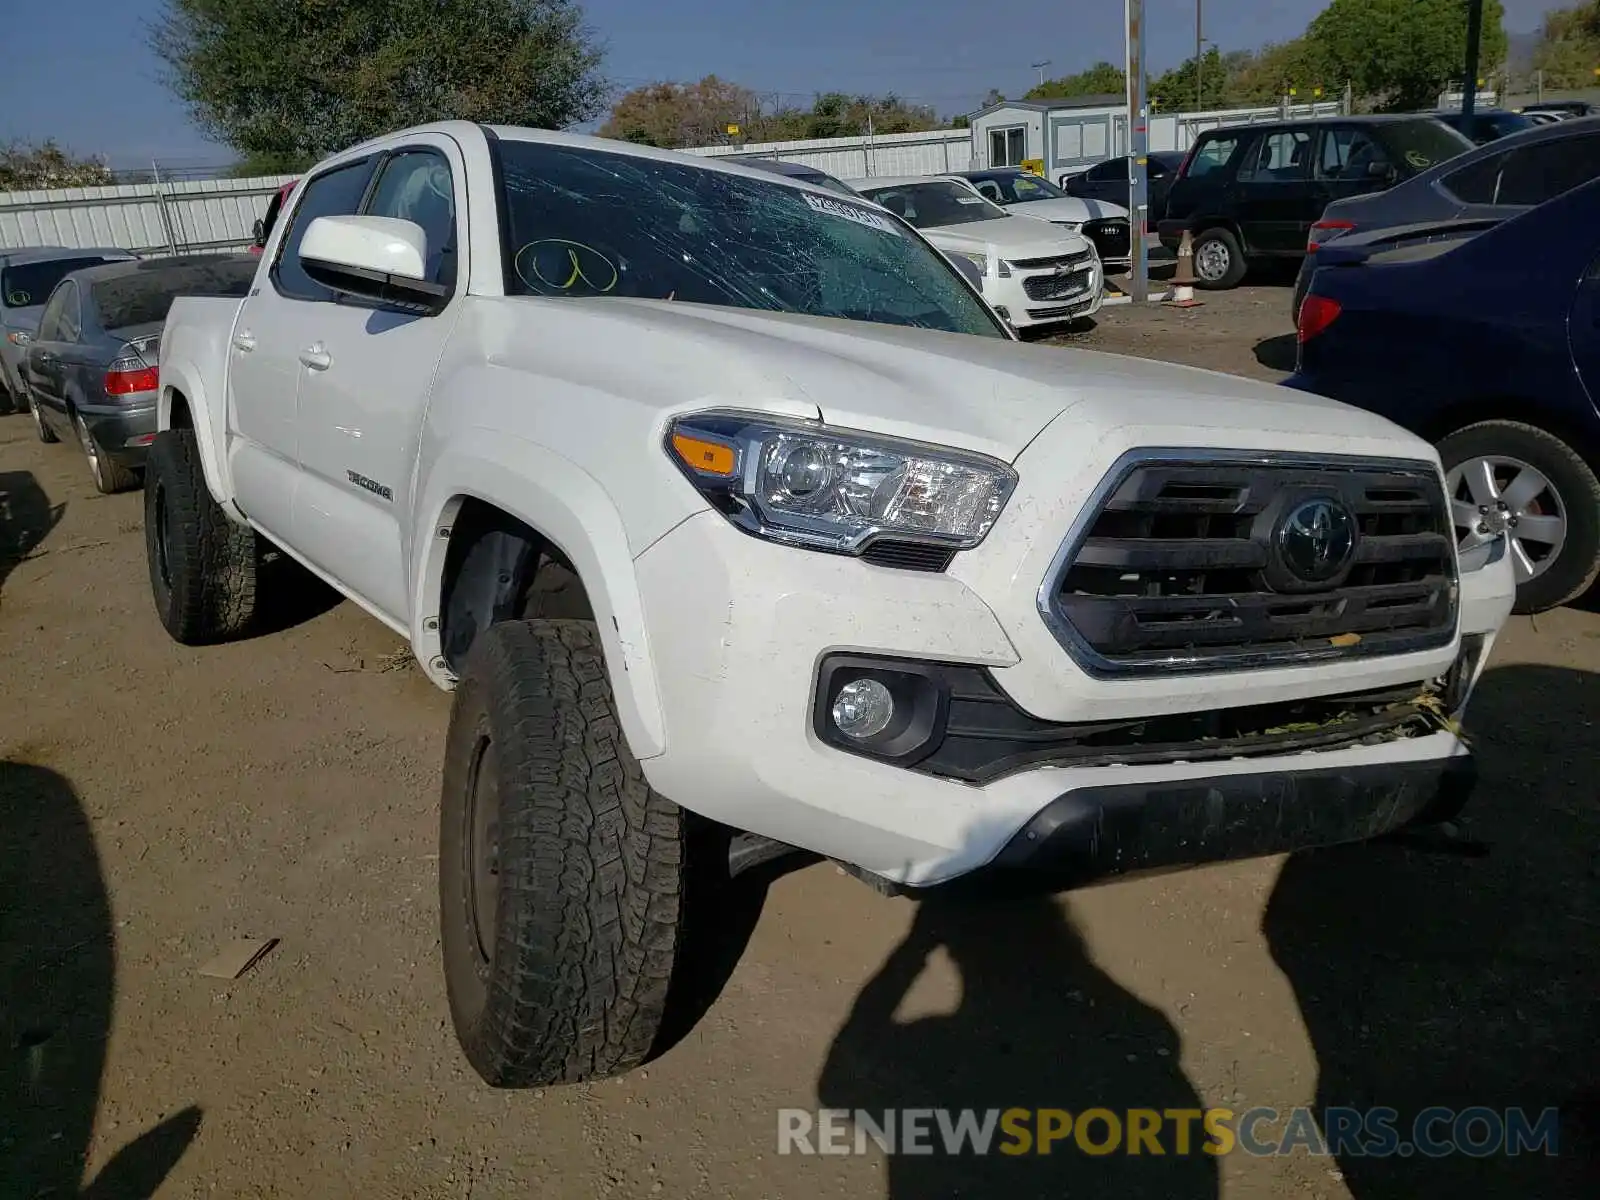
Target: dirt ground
x,y
157,803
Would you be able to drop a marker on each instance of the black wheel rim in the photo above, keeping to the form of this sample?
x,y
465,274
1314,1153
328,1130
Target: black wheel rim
x,y
483,846
163,555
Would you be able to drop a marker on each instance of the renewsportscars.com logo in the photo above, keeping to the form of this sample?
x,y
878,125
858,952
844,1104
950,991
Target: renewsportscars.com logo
x,y
1259,1132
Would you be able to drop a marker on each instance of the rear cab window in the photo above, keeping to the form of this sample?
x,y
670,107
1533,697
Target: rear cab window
x,y
1414,146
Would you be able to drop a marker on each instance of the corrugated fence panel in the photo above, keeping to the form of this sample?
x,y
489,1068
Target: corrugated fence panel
x,y
929,153
147,218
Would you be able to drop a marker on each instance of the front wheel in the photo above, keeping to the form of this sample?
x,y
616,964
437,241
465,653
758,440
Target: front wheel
x,y
561,872
1509,478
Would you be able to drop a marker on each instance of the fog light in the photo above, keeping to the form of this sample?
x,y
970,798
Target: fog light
x,y
862,709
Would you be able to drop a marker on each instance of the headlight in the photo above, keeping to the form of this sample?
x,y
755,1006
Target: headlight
x,y
981,261
806,484
1071,226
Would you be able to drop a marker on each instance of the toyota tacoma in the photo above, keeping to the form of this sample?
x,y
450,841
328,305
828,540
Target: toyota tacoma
x,y
721,501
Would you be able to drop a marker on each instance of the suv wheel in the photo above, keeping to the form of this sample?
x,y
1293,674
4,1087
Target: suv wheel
x,y
561,872
1516,479
202,565
1218,261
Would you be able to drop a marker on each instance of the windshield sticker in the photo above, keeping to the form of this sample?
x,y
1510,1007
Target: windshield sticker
x,y
850,212
562,266
1418,159
18,299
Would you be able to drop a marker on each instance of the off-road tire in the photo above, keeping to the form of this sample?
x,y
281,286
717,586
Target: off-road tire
x,y
571,982
202,565
1237,266
1578,564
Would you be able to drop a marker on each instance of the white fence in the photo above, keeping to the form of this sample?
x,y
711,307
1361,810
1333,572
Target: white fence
x,y
932,153
146,218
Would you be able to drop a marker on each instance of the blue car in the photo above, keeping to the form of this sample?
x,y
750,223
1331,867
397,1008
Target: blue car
x,y
1487,342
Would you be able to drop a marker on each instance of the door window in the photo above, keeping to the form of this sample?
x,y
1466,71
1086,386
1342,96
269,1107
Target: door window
x,y
1281,157
991,191
1007,147
1348,153
1544,170
1213,154
68,327
1113,170
50,319
333,193
415,186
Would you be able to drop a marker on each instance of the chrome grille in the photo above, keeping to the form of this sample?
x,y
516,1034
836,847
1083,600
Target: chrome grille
x,y
1056,287
1081,258
1180,565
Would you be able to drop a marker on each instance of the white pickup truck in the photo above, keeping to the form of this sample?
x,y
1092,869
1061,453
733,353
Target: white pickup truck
x,y
724,504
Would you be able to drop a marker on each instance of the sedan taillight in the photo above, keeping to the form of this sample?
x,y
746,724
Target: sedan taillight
x,y
1316,314
126,383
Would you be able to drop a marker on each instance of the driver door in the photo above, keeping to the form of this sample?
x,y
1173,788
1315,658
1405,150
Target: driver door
x,y
364,392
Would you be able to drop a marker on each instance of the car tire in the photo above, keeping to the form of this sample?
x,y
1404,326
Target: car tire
x,y
202,565
547,822
1219,245
1573,493
46,434
109,477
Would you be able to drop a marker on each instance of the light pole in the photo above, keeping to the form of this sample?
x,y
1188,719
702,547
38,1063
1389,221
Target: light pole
x,y
1469,85
1039,67
1199,93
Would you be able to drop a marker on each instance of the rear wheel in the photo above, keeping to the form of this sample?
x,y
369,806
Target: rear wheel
x,y
202,565
1218,260
561,871
109,476
1507,477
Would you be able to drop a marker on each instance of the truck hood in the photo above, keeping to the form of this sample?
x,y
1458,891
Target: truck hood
x,y
989,395
1007,237
1070,208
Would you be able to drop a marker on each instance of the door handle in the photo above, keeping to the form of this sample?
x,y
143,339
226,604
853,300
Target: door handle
x,y
316,358
244,341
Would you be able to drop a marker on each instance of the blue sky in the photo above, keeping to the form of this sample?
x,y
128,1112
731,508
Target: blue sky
x,y
93,86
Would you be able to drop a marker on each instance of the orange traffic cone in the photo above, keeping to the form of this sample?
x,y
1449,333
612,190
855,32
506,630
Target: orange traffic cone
x,y
1182,293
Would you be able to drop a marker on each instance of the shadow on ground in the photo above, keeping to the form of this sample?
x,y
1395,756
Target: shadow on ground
x,y
1277,353
1430,980
1039,1025
57,963
26,516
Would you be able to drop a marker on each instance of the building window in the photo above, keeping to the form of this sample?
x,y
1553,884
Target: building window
x,y
1008,147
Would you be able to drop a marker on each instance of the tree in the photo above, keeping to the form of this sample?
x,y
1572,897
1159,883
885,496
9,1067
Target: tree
x,y
286,82
1403,52
1568,51
697,114
1102,79
1270,73
993,97
26,167
1174,90
683,114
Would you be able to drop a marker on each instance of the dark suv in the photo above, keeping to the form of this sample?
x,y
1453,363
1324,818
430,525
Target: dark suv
x,y
1251,192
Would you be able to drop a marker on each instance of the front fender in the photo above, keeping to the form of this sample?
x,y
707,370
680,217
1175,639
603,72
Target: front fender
x,y
571,510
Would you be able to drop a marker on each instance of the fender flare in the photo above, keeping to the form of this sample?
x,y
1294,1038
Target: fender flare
x,y
186,377
568,507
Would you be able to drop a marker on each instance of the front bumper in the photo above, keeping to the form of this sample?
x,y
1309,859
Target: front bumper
x,y
1012,295
123,433
1110,830
739,628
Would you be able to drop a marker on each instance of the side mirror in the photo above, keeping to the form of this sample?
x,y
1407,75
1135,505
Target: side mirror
x,y
258,233
376,258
